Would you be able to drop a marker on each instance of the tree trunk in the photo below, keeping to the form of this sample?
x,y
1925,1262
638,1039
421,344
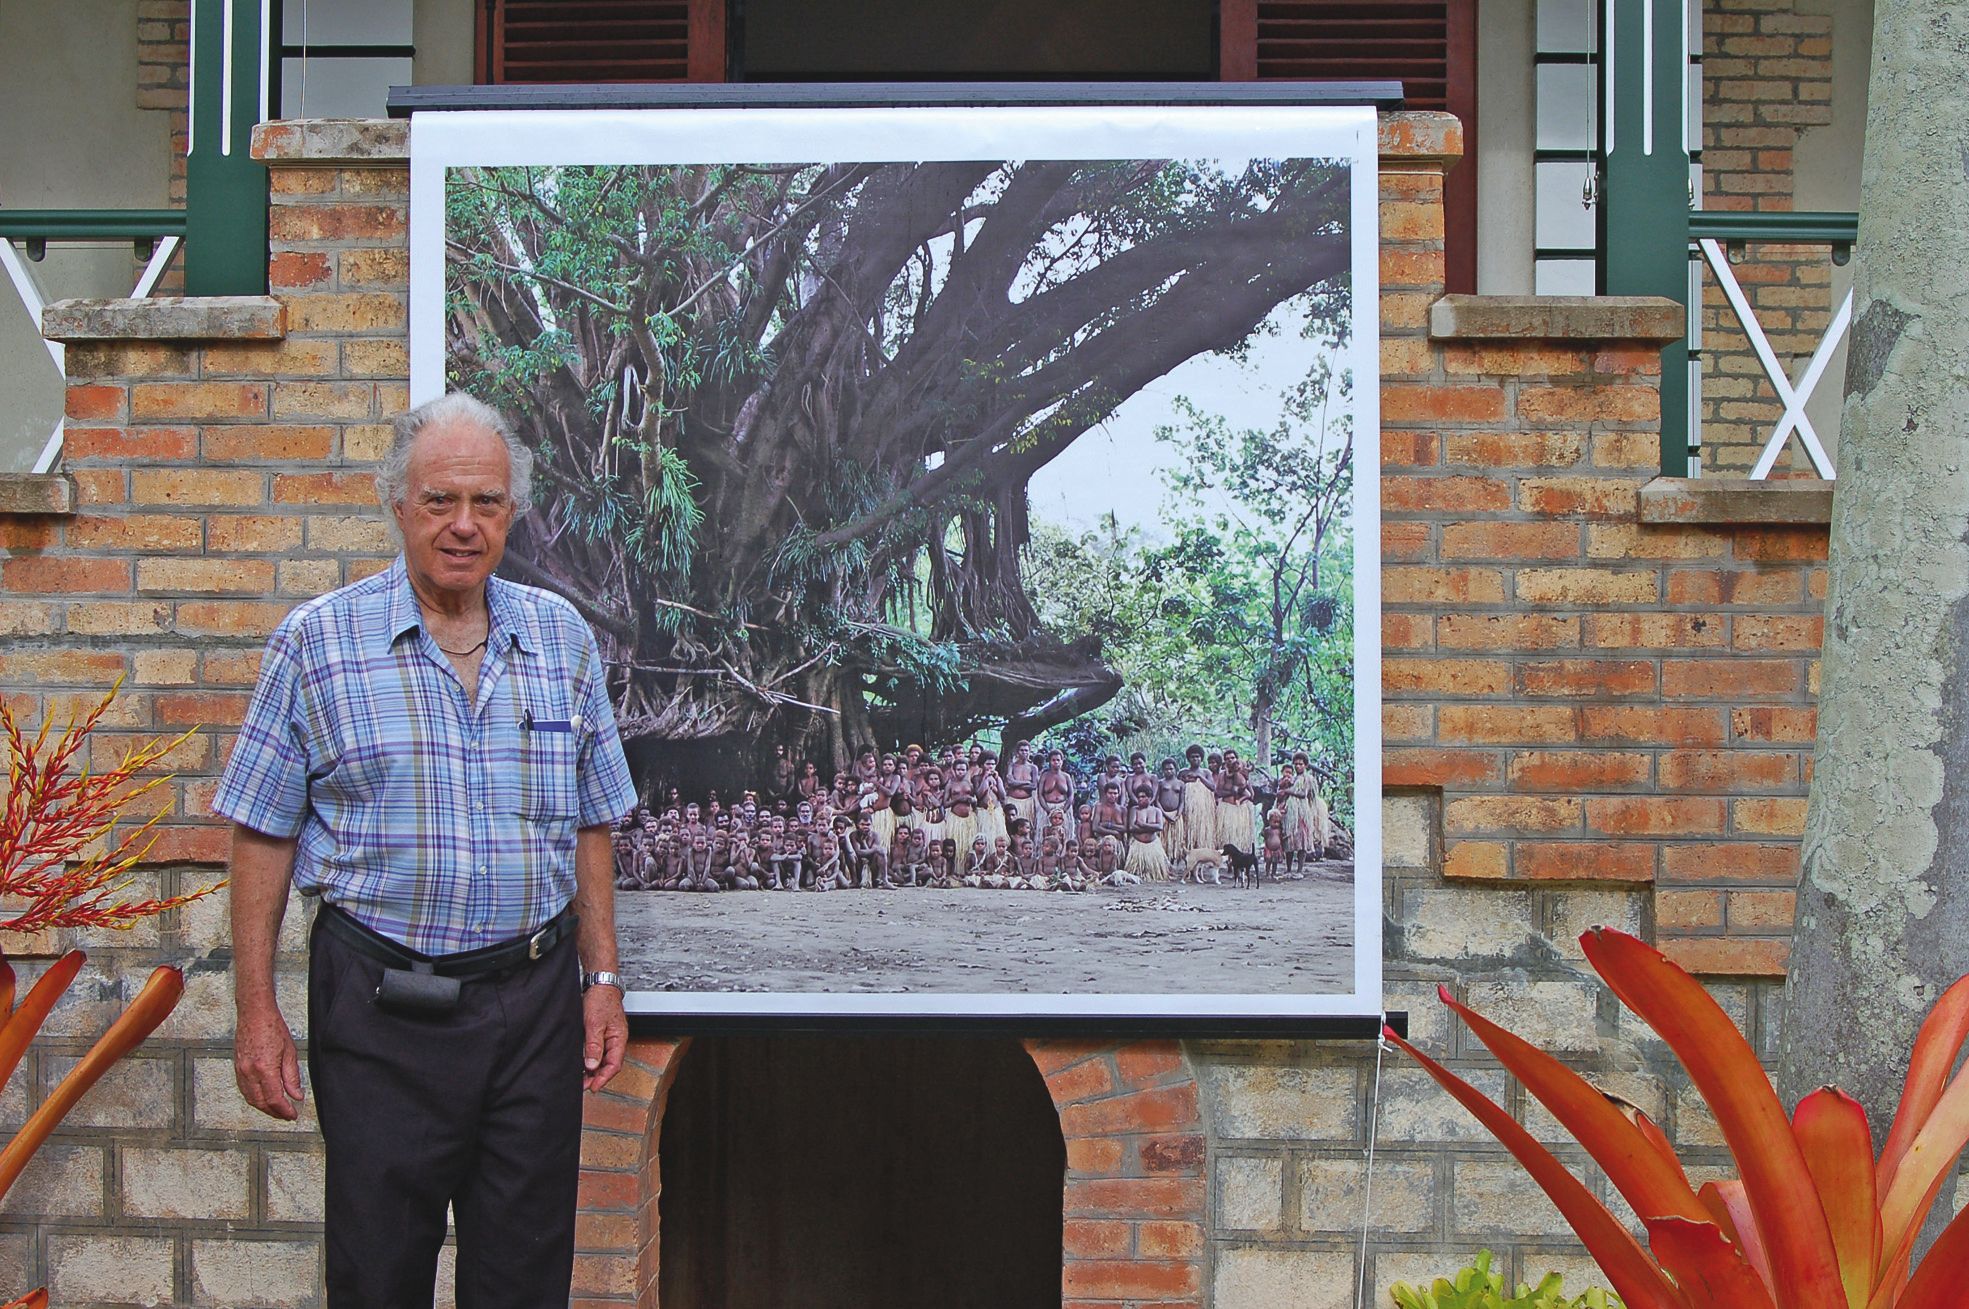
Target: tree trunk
x,y
1883,904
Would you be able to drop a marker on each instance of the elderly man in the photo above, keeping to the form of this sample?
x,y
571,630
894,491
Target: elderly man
x,y
432,753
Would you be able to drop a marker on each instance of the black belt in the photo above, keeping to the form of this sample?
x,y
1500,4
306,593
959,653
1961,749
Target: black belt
x,y
516,953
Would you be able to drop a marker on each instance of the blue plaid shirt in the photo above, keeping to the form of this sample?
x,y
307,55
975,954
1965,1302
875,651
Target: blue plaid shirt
x,y
443,825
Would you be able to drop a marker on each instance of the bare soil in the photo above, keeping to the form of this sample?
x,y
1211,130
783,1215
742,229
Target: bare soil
x,y
1166,938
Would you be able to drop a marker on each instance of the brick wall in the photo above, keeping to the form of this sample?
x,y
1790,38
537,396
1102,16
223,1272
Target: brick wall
x,y
164,82
1590,718
1767,77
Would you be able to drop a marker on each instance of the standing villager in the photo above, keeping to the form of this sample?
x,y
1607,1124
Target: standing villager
x,y
432,753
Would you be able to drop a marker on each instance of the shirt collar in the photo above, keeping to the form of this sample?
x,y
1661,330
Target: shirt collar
x,y
510,621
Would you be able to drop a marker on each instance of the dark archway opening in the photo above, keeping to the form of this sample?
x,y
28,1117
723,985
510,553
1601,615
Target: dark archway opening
x,y
810,1172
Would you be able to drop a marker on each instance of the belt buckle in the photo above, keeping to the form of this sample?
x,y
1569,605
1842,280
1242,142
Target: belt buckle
x,y
534,947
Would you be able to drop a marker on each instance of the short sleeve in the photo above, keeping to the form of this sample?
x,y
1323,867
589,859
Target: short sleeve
x,y
607,791
265,783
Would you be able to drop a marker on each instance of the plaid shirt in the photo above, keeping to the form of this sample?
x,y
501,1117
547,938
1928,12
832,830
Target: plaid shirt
x,y
442,825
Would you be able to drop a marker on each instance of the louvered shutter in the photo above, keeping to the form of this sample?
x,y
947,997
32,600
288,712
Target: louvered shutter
x,y
602,41
1430,46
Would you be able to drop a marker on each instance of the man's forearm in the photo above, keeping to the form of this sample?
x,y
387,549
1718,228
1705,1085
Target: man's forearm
x,y
262,871
594,899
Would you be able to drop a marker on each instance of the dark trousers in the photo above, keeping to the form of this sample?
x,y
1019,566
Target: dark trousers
x,y
478,1109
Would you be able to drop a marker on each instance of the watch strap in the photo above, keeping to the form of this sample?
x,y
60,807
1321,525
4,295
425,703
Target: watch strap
x,y
602,977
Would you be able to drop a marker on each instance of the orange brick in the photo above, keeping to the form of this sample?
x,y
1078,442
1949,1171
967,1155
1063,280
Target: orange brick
x,y
1771,544
164,668
1688,911
298,270
375,359
1772,816
206,576
1626,360
1596,678
229,617
22,618
1180,1153
134,532
1506,632
283,180
1400,631
324,400
1486,861
1774,724
1407,585
353,311
1410,404
1655,815
285,442
1096,1156
1509,540
1506,725
1762,911
1441,767
293,223
198,486
116,618
1133,1197
1411,222
1728,679
59,575
1446,676
1588,404
116,362
1727,770
1736,588
206,844
1654,541
1777,632
1444,495
374,182
198,400
1513,359
252,533
60,666
30,533
1510,813
1406,310
1144,1062
1093,1238
1170,1240
284,358
202,709
1577,770
1049,1056
1405,541
1410,449
1160,1110
1130,1279
374,268
1654,631
1514,449
602,1190
1401,722
325,489
129,445
1722,956
596,1233
1626,450
94,403
99,486
1630,863
1650,725
1081,1081
1423,268
1587,497
1585,586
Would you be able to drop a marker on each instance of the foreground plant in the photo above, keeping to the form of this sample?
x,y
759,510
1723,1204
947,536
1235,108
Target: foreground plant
x,y
60,868
1814,1219
1478,1287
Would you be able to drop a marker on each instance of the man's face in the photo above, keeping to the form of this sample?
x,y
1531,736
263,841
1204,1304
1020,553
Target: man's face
x,y
457,508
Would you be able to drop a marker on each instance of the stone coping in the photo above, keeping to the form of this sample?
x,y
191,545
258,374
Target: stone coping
x,y
1557,318
166,318
1407,137
333,142
36,493
1735,500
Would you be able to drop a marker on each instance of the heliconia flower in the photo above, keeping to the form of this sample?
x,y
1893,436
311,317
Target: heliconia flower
x,y
1813,1221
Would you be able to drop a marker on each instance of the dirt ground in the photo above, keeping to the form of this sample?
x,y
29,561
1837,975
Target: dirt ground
x,y
1158,938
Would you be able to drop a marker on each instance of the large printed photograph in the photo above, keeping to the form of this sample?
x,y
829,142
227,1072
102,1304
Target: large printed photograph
x,y
978,530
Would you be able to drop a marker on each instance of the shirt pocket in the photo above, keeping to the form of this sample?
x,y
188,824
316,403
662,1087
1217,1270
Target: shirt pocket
x,y
547,788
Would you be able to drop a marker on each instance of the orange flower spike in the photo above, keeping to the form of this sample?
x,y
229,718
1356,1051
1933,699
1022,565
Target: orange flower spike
x,y
151,1007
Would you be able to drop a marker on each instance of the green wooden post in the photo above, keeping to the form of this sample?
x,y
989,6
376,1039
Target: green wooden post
x,y
1644,209
235,68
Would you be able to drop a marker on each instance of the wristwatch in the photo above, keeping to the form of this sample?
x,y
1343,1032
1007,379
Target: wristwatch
x,y
602,977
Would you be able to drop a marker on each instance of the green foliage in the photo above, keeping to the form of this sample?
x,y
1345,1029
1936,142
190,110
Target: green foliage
x,y
1477,1287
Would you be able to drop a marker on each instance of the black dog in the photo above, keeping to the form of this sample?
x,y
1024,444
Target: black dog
x,y
1244,864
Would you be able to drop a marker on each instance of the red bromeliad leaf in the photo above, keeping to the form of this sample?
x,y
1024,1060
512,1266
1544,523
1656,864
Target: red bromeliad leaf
x,y
1833,1135
1635,1277
151,1007
24,1024
1936,1049
1654,1136
6,992
1634,1164
1937,1284
32,1300
1726,1200
1733,1083
1711,1271
1923,1166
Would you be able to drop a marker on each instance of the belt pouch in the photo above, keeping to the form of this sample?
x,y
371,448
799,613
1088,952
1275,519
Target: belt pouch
x,y
417,990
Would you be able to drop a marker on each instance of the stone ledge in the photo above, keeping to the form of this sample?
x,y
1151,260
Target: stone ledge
x,y
330,142
1735,500
36,493
166,318
1419,138
1556,318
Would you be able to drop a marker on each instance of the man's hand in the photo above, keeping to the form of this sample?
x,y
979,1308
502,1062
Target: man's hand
x,y
265,1063
607,1029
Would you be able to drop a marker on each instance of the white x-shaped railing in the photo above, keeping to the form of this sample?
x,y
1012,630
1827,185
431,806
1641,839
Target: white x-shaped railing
x,y
1792,395
21,273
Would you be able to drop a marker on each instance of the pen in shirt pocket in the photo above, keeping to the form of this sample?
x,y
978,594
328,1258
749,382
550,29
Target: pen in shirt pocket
x,y
531,724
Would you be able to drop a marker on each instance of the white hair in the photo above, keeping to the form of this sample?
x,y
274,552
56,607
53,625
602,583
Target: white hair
x,y
393,476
